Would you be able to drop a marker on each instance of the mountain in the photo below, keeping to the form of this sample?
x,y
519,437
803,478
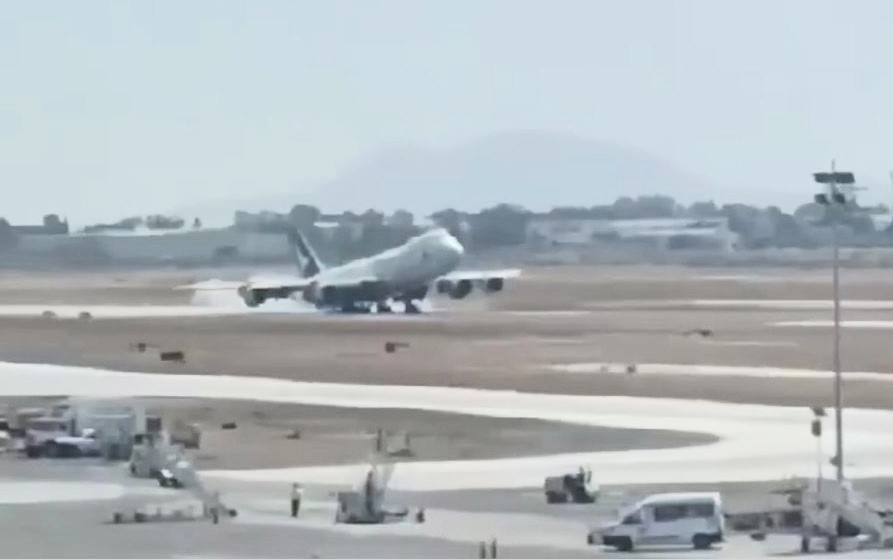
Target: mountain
x,y
537,170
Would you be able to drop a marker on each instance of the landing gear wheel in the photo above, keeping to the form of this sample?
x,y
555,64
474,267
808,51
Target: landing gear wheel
x,y
411,307
352,307
383,308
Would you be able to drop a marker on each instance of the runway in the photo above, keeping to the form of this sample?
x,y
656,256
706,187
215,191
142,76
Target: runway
x,y
755,442
699,370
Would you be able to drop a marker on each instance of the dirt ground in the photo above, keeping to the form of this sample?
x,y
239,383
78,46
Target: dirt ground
x,y
265,435
506,341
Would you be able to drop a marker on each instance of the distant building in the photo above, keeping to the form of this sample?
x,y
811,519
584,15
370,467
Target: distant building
x,y
346,225
186,245
664,233
52,225
260,220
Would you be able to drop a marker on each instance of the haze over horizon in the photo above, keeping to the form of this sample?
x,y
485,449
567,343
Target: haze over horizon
x,y
114,108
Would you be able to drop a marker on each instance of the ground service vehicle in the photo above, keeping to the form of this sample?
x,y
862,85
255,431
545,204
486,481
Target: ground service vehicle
x,y
694,519
48,436
573,488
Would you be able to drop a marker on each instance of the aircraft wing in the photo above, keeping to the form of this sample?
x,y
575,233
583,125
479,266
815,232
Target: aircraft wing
x,y
295,284
284,284
481,275
211,285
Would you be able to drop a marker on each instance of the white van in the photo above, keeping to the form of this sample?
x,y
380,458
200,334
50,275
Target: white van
x,y
694,519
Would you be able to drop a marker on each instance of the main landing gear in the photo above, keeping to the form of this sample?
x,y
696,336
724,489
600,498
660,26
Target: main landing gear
x,y
382,307
409,307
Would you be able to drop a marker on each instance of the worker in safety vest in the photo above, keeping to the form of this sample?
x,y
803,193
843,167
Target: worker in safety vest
x,y
297,492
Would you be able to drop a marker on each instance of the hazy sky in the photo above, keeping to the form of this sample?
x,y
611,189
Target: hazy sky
x,y
111,108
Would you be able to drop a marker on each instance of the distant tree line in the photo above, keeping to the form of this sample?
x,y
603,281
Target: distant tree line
x,y
151,222
352,234
348,235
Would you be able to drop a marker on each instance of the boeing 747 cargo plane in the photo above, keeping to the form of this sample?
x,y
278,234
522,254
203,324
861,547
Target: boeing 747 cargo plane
x,y
403,274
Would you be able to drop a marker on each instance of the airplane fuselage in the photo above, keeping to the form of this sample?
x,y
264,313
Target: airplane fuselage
x,y
402,273
418,262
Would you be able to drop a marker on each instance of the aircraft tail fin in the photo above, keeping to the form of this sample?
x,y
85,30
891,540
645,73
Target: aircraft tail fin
x,y
305,257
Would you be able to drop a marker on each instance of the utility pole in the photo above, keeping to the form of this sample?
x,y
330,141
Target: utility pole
x,y
834,202
890,225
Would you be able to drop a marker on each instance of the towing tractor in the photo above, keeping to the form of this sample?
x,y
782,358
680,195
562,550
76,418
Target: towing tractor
x,y
573,488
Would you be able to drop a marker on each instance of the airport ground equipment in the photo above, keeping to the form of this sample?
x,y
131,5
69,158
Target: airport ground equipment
x,y
175,356
155,457
189,435
394,445
178,512
365,504
573,488
83,428
826,509
47,437
391,346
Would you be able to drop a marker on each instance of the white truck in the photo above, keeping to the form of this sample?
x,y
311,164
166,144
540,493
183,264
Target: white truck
x,y
691,519
51,437
83,428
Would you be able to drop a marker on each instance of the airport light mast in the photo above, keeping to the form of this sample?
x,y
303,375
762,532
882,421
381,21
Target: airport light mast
x,y
835,201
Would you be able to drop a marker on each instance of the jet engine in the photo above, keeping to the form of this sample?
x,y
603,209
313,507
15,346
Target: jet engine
x,y
456,290
493,285
324,296
251,297
328,295
443,286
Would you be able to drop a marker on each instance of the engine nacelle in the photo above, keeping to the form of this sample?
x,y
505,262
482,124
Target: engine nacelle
x,y
328,295
323,296
460,289
493,285
252,297
455,289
